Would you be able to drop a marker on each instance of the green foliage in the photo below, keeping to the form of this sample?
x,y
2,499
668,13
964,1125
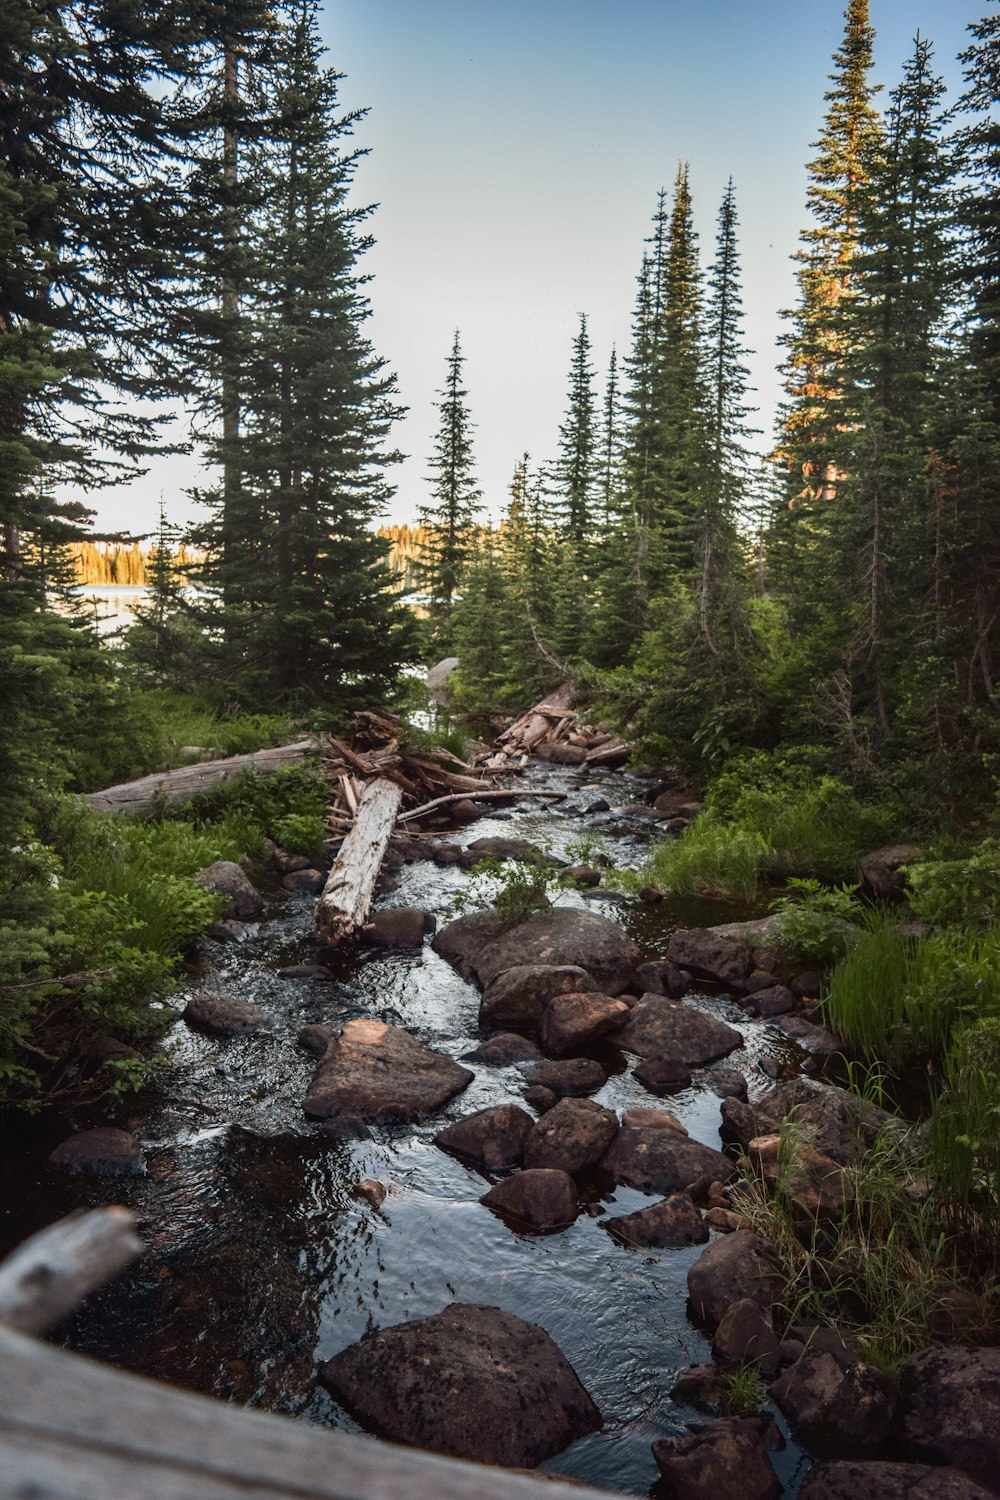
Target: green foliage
x,y
957,892
965,1135
743,1391
814,921
507,892
711,858
300,833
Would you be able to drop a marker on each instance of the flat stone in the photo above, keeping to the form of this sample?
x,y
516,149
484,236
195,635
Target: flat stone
x,y
723,1458
709,956
540,1200
658,1028
102,1152
383,1074
505,1048
398,927
559,936
741,1265
889,1481
572,1135
950,1416
228,879
492,1139
471,1381
661,1161
669,1225
571,1021
644,1118
574,1076
774,1001
222,1015
519,995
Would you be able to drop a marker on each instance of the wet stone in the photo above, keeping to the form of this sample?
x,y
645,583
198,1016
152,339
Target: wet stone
x,y
383,1074
505,1048
398,927
776,1001
305,882
663,1075
662,978
540,1200
721,1458
662,1161
472,1382
572,1136
493,1140
227,930
669,1225
102,1152
519,995
315,1038
540,1098
739,1266
644,1118
838,1405
817,1039
659,1028
709,956
746,1336
571,1021
573,1076
222,1015
305,971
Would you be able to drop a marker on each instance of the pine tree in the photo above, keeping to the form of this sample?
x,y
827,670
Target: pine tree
x,y
451,518
573,471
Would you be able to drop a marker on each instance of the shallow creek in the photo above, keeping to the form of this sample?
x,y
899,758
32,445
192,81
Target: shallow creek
x,y
262,1262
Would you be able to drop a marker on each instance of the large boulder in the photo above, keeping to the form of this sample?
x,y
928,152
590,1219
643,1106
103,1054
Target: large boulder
x,y
663,1161
492,1139
734,1267
572,1135
472,1381
883,872
397,927
540,1200
668,1225
439,680
227,879
746,1336
571,1021
573,1076
836,1403
704,953
834,1122
721,1458
659,1028
950,1414
519,995
101,1152
382,1073
873,1480
561,935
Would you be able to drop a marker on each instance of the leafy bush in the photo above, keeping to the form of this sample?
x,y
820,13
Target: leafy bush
x,y
965,1134
507,891
815,921
960,892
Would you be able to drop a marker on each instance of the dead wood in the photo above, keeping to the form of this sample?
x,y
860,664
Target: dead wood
x,y
168,788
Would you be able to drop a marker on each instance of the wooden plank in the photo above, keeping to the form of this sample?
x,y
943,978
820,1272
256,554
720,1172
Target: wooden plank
x,y
168,788
47,1277
343,907
72,1429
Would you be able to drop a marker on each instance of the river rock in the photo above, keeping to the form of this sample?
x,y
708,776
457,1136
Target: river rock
x,y
660,1028
888,1481
738,1266
541,1099
571,1021
505,1048
519,995
775,1000
102,1152
835,1122
572,1135
305,971
883,872
810,1037
541,1200
662,978
222,1015
644,1118
383,1074
471,1381
307,882
315,1038
814,1183
521,850
370,1191
836,1403
573,1076
226,930
710,956
228,879
721,1458
398,927
662,1075
562,935
950,1414
661,1161
492,1139
746,1336
668,1225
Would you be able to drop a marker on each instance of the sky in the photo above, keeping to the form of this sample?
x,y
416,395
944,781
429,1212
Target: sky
x,y
515,151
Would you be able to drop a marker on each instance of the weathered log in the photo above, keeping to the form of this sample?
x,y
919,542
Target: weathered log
x,y
74,1429
342,909
168,788
418,812
47,1277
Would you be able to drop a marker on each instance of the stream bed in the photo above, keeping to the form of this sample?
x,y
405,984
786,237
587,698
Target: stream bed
x,y
262,1262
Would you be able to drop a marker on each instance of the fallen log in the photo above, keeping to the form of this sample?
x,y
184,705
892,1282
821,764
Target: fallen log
x,y
418,812
168,788
47,1277
342,909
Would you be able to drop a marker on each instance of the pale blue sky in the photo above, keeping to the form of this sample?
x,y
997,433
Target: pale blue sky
x,y
516,150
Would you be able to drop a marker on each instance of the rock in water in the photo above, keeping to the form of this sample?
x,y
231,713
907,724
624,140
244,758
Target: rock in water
x,y
222,1015
471,1381
492,1140
658,1028
721,1458
669,1224
888,1481
102,1152
559,936
571,1021
382,1073
663,1161
228,879
705,953
519,995
572,1136
541,1200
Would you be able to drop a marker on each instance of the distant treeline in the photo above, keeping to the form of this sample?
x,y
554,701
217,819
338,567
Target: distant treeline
x,y
128,563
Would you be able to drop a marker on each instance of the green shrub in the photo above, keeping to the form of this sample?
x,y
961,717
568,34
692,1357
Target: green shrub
x,y
507,891
711,858
300,833
815,921
960,892
965,1134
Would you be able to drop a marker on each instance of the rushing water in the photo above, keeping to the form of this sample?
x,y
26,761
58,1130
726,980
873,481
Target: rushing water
x,y
262,1262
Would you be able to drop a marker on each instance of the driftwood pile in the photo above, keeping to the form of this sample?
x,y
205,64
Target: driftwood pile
x,y
553,731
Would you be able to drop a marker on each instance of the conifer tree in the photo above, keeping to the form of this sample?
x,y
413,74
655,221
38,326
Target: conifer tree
x,y
574,469
451,517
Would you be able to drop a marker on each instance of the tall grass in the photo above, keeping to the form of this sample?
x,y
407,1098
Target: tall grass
x,y
965,1136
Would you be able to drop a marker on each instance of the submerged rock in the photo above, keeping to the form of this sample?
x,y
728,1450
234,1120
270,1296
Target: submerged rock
x,y
492,1139
504,1048
397,927
472,1381
102,1152
383,1074
540,1200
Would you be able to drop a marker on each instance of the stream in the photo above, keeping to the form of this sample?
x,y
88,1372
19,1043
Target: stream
x,y
262,1262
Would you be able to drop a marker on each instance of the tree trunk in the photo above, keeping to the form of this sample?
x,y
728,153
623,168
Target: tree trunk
x,y
168,788
343,907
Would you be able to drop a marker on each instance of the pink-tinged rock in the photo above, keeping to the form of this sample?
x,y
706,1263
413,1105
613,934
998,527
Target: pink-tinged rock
x,y
572,1021
382,1073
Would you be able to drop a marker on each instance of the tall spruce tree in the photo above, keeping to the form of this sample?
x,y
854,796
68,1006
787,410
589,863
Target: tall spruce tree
x,y
451,517
573,473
